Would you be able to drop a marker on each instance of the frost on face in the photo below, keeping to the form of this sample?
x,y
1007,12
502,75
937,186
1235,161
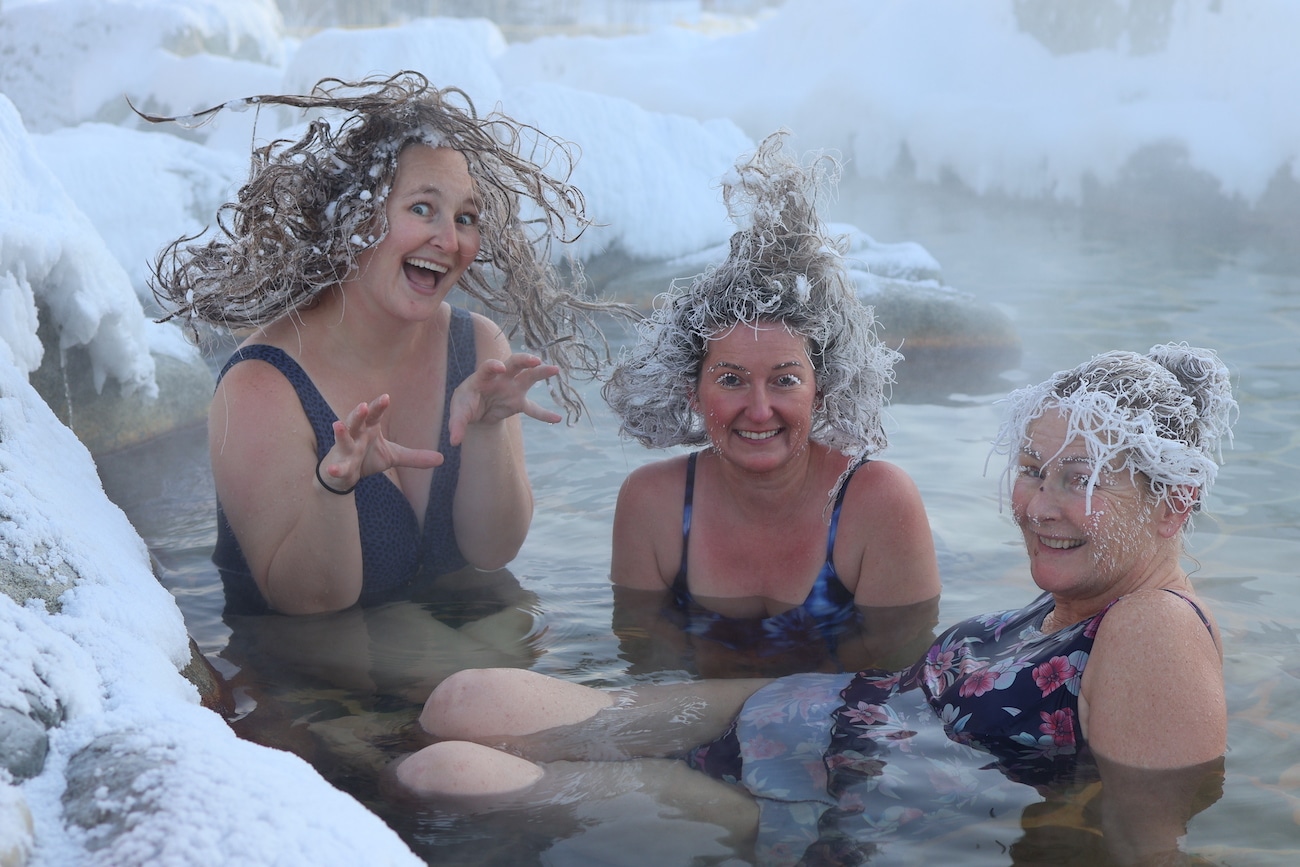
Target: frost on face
x,y
1162,417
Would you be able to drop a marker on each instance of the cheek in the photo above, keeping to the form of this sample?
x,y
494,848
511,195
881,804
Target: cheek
x,y
1115,533
1019,505
471,243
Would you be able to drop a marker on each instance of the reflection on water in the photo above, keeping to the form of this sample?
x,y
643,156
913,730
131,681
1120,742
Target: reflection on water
x,y
655,635
1074,285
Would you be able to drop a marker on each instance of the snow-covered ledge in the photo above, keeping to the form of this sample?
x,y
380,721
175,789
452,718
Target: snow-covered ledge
x,y
108,756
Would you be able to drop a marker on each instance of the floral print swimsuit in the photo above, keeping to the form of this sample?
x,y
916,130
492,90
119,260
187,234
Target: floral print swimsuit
x,y
993,704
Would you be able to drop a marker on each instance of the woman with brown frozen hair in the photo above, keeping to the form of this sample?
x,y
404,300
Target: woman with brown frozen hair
x,y
366,430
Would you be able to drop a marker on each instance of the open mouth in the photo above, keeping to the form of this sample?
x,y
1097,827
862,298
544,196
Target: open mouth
x,y
423,272
757,435
1059,544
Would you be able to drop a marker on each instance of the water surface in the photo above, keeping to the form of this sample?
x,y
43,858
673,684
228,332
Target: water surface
x,y
1074,283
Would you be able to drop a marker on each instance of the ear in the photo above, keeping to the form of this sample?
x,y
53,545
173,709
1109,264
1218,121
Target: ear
x,y
693,397
1173,515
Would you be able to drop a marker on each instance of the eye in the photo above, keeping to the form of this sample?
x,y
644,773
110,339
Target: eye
x,y
467,219
420,209
1029,471
789,380
728,380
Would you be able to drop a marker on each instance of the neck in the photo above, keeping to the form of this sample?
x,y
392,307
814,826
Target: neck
x,y
1070,609
345,332
768,496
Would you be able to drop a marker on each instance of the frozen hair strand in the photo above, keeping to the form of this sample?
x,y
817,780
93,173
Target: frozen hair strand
x,y
311,204
784,267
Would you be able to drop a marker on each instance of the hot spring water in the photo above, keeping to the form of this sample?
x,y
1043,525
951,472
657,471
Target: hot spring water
x,y
1075,283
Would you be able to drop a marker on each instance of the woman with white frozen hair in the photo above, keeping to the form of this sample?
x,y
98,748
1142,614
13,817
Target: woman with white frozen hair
x,y
771,361
1113,673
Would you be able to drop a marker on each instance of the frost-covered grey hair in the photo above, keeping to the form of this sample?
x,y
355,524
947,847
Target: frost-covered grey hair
x,y
1164,415
783,267
311,205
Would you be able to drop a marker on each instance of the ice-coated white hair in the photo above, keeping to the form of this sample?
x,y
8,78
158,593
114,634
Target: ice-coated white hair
x,y
783,267
1164,415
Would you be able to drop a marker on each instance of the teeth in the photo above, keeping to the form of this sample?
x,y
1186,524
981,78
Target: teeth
x,y
756,435
1060,544
427,265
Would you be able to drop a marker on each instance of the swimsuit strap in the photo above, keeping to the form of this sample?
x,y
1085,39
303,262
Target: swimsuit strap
x,y
835,518
319,413
679,583
1199,612
462,359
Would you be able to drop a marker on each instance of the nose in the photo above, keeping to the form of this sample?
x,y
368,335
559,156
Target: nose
x,y
1041,506
760,405
445,234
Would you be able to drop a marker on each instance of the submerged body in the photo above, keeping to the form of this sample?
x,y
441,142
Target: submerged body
x,y
1118,661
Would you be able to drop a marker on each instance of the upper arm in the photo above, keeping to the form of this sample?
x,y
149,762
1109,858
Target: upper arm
x,y
883,508
647,517
1152,694
489,340
262,450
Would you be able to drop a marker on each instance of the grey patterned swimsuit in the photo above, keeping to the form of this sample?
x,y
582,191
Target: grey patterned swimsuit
x,y
393,550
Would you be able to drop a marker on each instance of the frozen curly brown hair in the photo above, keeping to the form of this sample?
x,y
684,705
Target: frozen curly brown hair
x,y
311,205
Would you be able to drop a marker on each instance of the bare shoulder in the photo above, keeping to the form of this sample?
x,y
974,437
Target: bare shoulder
x,y
253,397
1152,694
1148,620
882,487
647,525
895,558
488,337
651,487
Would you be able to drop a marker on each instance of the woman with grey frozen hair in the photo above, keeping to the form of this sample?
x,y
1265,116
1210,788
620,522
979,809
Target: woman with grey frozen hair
x,y
1112,673
772,361
1160,416
366,431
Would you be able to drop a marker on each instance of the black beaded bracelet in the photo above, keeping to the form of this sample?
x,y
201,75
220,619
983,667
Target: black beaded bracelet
x,y
321,479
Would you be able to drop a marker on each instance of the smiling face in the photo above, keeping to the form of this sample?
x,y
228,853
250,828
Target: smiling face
x,y
1079,549
433,233
756,392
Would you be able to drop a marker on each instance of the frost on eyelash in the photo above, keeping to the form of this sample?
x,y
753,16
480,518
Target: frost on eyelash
x,y
1165,415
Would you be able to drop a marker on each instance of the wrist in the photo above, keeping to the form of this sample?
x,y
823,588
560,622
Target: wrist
x,y
321,481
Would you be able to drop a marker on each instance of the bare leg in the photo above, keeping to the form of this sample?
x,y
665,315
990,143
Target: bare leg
x,y
474,704
480,777
464,769
548,719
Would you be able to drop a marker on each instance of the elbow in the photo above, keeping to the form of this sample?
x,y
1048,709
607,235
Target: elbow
x,y
493,559
287,596
324,604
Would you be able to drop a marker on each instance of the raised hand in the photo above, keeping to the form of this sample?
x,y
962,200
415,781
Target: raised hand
x,y
498,390
361,449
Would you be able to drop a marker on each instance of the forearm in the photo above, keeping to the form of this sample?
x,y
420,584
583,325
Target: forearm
x,y
494,500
